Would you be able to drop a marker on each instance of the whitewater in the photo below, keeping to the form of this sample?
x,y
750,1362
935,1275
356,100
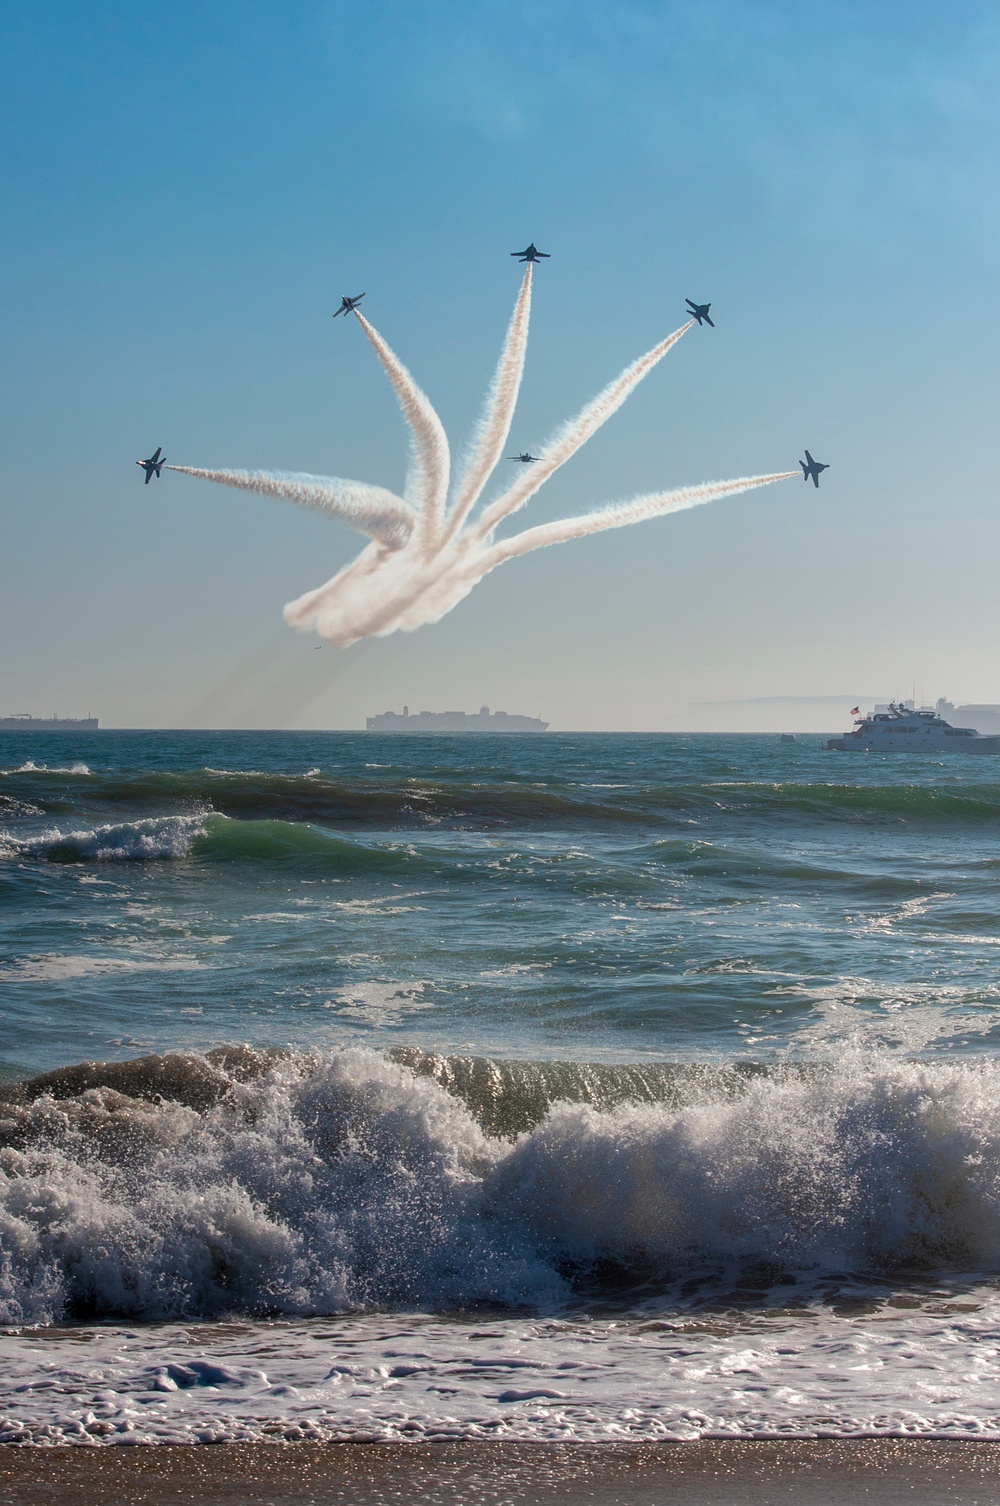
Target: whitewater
x,y
556,1088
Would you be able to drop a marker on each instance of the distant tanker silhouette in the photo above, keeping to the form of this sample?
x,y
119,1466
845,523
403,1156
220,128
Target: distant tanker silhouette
x,y
22,722
483,720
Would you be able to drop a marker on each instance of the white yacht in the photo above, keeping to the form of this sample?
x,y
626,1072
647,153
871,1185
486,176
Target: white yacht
x,y
901,729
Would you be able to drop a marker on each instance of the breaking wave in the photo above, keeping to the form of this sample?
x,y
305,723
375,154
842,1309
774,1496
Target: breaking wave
x,y
206,837
279,1183
163,837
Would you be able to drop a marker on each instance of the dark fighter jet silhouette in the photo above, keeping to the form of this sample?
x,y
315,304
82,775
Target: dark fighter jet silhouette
x,y
153,465
699,311
811,467
531,253
347,305
525,459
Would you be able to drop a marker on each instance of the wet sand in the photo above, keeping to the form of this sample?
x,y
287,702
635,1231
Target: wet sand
x,y
831,1472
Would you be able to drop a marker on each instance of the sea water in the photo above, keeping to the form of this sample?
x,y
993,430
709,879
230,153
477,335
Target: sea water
x,y
557,1086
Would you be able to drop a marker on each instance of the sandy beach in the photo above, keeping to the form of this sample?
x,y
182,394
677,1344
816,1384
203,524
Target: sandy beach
x,y
828,1472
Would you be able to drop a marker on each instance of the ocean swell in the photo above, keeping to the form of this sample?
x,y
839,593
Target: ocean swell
x,y
397,800
281,1183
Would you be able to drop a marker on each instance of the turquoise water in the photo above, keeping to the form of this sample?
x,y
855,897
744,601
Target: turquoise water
x,y
599,898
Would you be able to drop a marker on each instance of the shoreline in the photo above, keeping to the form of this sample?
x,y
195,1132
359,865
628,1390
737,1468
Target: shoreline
x,y
705,1472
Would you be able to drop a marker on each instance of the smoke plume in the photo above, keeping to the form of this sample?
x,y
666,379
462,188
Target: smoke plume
x,y
425,554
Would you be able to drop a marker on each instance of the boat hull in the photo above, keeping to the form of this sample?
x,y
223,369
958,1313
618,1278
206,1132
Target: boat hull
x,y
976,745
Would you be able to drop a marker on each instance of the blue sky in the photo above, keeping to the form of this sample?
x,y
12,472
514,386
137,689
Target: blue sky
x,y
187,190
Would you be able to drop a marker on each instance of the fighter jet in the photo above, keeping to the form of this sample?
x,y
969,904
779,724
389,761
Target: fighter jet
x,y
699,311
153,465
525,459
811,467
531,253
347,305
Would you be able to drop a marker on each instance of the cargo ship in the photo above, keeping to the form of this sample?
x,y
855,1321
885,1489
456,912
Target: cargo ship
x,y
22,722
483,720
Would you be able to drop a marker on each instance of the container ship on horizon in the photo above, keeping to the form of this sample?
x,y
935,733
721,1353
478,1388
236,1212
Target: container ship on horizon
x,y
22,722
483,720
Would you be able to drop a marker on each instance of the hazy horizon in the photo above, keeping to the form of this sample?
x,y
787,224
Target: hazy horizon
x,y
764,715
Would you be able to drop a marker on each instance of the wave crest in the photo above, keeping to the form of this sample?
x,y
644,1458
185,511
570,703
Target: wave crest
x,y
211,838
188,1186
157,837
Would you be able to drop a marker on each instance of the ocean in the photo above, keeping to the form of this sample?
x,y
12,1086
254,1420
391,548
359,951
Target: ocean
x,y
558,1087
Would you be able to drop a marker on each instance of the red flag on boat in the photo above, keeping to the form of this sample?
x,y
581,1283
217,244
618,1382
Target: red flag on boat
x,y
855,710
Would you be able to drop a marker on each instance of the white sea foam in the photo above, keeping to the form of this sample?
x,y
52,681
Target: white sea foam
x,y
339,1183
58,967
156,837
28,767
342,1181
932,1369
379,1003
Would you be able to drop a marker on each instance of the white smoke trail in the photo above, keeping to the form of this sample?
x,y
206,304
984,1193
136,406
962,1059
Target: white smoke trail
x,y
373,597
426,487
459,575
333,609
370,509
575,433
494,426
621,514
421,562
